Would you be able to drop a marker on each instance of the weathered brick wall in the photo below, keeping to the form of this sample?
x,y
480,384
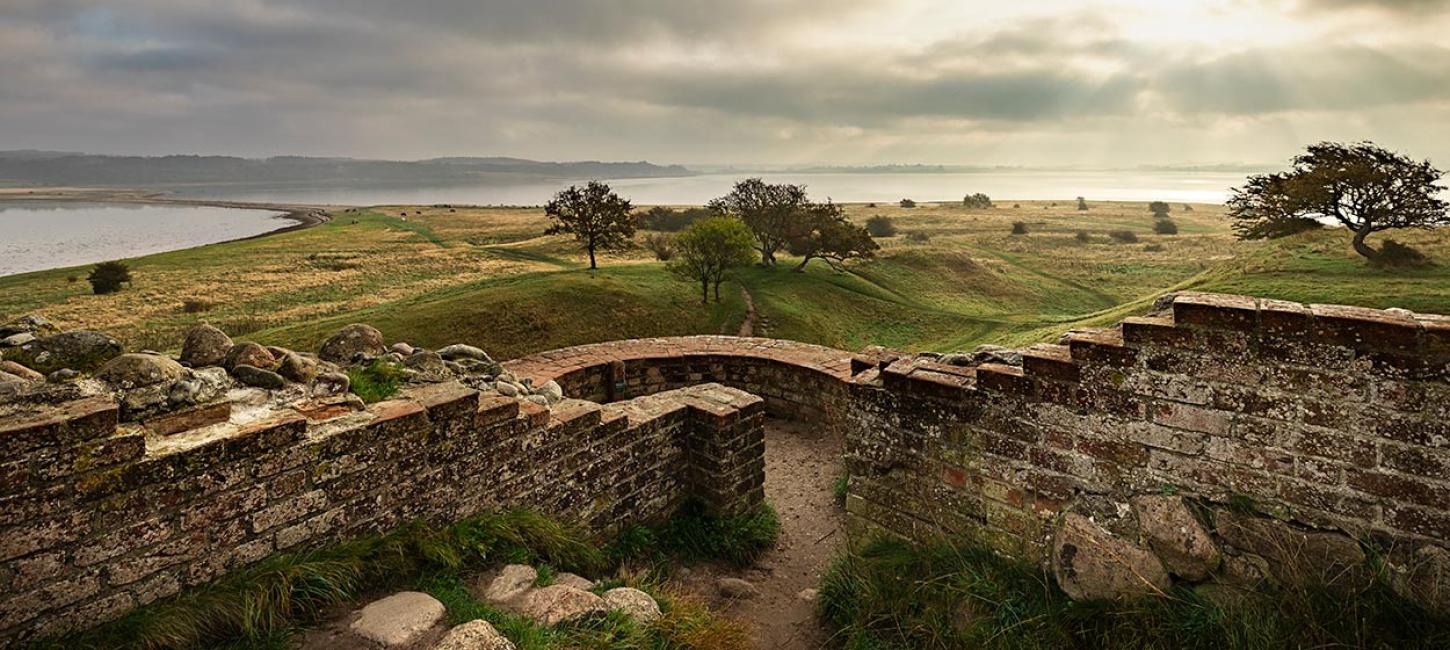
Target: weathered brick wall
x,y
98,520
1327,416
797,380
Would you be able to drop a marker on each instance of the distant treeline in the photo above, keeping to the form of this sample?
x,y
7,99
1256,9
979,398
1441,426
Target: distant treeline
x,y
56,168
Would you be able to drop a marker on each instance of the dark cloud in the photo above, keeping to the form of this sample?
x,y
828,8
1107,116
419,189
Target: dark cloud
x,y
674,80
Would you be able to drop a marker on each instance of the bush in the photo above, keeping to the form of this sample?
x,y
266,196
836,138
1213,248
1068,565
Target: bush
x,y
1165,227
667,220
1393,254
1154,248
1082,205
1159,209
1124,236
977,201
107,277
908,203
663,246
695,534
196,305
72,279
881,226
919,237
1019,227
1083,236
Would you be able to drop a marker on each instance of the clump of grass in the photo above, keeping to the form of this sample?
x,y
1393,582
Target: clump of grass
x,y
1124,236
695,534
841,487
264,602
196,305
376,381
890,594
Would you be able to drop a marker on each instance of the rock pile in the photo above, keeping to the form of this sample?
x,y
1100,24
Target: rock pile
x,y
567,598
212,372
413,620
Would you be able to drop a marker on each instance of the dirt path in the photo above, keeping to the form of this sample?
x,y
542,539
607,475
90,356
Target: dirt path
x,y
747,328
801,463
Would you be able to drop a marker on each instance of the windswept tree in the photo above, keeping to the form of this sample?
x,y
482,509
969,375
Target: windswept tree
x,y
596,217
1363,186
766,209
709,248
823,232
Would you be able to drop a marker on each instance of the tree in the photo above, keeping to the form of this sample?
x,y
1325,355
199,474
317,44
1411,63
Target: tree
x,y
1082,204
594,214
881,226
1159,209
978,201
668,220
709,248
107,277
823,232
766,209
663,246
1363,186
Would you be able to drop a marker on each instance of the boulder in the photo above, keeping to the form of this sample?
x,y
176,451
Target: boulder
x,y
258,377
139,370
573,580
1425,578
1297,556
62,376
736,588
1089,562
538,399
80,350
634,603
350,341
198,386
474,635
402,348
510,583
7,378
298,368
505,388
403,620
428,366
248,353
555,604
205,345
20,372
330,383
461,351
28,324
550,391
1176,536
16,340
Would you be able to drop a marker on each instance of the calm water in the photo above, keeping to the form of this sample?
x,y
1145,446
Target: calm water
x,y
1191,187
37,236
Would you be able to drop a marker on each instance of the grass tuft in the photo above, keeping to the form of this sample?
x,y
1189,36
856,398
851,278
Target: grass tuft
x,y
893,595
695,534
376,381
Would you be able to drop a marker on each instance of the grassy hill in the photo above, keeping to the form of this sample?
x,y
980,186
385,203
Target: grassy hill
x,y
953,278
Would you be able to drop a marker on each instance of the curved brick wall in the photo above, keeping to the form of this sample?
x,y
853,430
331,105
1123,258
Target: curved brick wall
x,y
797,380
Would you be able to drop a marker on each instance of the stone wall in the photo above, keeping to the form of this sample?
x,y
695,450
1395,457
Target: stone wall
x,y
797,380
1319,417
100,518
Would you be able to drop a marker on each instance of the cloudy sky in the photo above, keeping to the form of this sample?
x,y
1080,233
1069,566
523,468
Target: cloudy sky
x,y
1040,82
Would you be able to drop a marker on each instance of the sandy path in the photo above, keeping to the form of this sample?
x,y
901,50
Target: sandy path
x,y
801,463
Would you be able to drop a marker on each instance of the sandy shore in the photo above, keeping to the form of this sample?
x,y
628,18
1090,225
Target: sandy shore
x,y
301,215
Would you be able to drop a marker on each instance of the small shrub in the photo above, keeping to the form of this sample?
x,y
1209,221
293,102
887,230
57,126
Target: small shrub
x,y
72,279
1124,236
663,246
107,277
1016,206
196,305
1083,236
1393,254
695,534
376,381
1159,209
1154,248
1187,208
1019,227
978,201
881,226
1165,226
870,205
1082,205
918,236
908,203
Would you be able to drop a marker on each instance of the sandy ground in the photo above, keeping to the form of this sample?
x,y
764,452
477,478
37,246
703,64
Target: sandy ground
x,y
801,463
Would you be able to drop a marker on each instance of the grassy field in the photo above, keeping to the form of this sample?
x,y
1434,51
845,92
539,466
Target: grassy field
x,y
951,279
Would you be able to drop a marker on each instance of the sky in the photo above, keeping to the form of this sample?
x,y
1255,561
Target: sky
x,y
1099,83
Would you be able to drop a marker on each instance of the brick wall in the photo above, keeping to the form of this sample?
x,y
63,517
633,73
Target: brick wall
x,y
96,520
1326,416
